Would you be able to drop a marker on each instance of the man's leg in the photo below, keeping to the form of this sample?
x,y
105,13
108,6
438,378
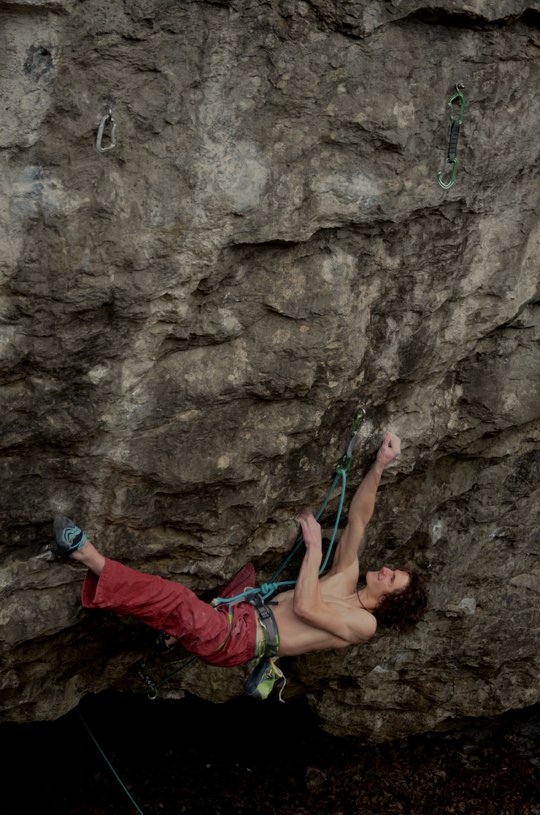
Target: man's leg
x,y
72,542
89,556
162,604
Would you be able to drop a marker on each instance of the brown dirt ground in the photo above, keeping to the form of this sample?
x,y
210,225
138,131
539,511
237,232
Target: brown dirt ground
x,y
261,758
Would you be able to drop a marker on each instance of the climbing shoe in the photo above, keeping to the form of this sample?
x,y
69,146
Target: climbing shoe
x,y
68,538
262,679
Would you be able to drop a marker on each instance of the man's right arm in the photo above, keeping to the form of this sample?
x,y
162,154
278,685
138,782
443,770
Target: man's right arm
x,y
362,507
351,626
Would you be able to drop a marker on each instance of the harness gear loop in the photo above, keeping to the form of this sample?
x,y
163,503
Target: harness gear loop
x,y
107,127
456,103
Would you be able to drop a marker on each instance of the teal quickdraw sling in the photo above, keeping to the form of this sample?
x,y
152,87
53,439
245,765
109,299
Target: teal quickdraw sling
x,y
266,590
456,103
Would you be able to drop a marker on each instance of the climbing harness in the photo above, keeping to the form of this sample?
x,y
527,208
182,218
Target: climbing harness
x,y
106,131
260,595
270,646
262,678
456,103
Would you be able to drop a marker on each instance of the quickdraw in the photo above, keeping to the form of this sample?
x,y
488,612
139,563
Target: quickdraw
x,y
347,458
107,129
456,103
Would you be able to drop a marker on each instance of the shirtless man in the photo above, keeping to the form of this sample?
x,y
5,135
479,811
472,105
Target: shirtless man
x,y
330,611
319,613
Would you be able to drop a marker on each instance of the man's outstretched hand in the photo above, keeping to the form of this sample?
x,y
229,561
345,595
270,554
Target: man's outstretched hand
x,y
389,450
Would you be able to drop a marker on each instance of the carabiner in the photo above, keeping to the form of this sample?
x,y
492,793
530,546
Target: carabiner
x,y
151,687
358,419
345,462
446,184
106,122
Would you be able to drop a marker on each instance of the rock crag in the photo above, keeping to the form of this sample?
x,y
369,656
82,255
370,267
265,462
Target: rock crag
x,y
191,319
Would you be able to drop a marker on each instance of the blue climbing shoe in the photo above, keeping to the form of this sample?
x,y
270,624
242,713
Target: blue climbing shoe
x,y
68,538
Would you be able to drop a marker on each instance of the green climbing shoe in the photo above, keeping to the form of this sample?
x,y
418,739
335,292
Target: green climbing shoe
x,y
260,683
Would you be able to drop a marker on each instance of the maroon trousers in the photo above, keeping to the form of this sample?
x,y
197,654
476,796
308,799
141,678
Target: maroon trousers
x,y
218,636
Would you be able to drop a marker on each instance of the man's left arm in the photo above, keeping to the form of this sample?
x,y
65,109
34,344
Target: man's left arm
x,y
362,508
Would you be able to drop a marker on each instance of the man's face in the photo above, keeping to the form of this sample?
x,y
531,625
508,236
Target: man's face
x,y
386,581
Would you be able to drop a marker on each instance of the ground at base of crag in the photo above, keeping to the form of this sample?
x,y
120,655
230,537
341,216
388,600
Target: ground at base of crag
x,y
251,758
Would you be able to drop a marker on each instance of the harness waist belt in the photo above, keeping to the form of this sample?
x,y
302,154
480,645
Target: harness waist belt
x,y
270,630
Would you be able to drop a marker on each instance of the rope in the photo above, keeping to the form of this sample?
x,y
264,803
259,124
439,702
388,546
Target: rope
x,y
266,590
139,810
341,472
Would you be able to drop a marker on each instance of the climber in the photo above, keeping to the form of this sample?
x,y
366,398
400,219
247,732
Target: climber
x,y
320,613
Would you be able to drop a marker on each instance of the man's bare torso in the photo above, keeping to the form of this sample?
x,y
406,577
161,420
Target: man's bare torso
x,y
297,637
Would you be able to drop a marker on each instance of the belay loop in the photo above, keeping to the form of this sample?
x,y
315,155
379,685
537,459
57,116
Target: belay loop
x,y
456,103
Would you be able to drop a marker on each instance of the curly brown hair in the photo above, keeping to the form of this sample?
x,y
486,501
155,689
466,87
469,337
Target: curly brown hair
x,y
400,611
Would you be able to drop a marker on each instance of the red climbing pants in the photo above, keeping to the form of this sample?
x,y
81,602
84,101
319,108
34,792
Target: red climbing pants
x,y
208,632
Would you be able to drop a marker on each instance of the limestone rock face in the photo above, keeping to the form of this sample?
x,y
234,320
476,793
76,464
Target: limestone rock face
x,y
190,320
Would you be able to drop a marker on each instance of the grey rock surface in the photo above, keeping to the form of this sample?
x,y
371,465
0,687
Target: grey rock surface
x,y
190,320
